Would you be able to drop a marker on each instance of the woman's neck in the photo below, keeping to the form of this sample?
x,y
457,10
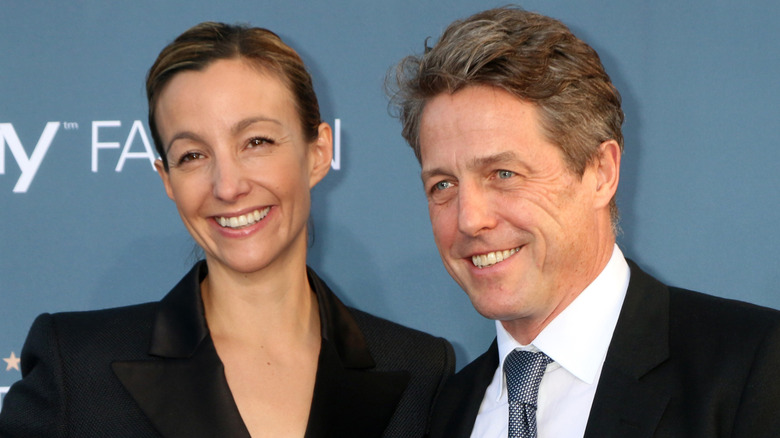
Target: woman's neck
x,y
261,308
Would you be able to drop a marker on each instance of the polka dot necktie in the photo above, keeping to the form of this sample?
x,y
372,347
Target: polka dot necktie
x,y
524,371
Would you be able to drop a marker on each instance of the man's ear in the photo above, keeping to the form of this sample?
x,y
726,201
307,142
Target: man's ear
x,y
164,176
607,172
320,154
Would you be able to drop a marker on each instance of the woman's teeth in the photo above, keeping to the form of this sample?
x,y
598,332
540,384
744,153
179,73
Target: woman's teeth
x,y
243,220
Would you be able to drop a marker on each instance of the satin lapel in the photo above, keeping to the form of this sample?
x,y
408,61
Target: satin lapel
x,y
182,388
351,397
630,400
352,402
184,397
458,405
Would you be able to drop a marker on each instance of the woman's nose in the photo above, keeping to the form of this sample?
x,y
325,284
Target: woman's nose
x,y
229,179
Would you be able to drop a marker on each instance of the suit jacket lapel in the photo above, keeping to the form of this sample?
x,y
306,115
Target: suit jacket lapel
x,y
458,405
184,397
183,390
350,399
628,402
352,402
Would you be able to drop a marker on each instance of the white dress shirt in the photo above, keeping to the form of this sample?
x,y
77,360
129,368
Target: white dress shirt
x,y
577,340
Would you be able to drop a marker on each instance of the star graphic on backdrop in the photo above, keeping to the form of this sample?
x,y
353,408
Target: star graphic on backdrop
x,y
12,361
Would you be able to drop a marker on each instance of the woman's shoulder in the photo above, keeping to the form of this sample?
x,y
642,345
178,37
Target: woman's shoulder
x,y
102,318
101,330
428,361
389,341
379,326
385,339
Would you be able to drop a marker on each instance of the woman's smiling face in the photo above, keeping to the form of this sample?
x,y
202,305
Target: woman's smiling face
x,y
240,169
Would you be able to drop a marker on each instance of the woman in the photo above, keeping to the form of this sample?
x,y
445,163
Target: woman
x,y
251,342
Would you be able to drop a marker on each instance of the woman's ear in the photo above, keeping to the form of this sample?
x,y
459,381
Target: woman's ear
x,y
320,154
164,176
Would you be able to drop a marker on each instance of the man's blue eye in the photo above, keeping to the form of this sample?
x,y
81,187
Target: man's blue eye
x,y
441,185
504,174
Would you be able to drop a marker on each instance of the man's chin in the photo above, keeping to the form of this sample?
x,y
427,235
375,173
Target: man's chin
x,y
499,310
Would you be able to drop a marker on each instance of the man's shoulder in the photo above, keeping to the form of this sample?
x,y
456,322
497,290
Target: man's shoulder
x,y
697,310
693,309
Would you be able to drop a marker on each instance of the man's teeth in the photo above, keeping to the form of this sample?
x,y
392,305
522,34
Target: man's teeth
x,y
244,219
491,258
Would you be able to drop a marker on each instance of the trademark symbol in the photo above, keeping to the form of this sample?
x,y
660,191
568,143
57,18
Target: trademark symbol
x,y
69,126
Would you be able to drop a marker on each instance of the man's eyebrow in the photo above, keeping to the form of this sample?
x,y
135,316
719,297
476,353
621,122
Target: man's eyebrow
x,y
474,163
502,157
425,174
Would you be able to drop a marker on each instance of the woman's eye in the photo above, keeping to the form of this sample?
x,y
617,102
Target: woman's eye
x,y
260,141
505,174
190,156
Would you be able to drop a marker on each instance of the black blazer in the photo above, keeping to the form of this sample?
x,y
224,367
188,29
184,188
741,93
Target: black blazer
x,y
680,364
151,370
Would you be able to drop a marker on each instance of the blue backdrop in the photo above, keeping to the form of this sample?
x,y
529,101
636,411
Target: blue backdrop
x,y
85,223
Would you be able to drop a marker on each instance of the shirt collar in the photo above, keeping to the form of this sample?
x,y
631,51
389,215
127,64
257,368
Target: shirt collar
x,y
578,338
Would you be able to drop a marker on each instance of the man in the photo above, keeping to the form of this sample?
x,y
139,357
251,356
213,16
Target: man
x,y
518,131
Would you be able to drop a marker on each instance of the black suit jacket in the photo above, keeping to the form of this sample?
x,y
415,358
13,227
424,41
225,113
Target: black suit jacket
x,y
680,364
152,370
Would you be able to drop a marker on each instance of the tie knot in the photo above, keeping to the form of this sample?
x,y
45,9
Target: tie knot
x,y
524,371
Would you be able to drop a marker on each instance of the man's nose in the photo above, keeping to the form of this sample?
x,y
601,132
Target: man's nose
x,y
475,212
